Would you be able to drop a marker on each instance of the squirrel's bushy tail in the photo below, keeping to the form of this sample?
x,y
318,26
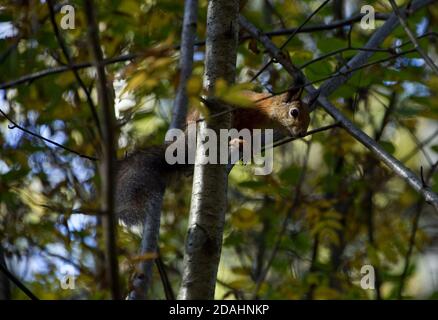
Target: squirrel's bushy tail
x,y
140,184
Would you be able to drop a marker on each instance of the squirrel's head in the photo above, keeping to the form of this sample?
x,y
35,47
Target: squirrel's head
x,y
292,113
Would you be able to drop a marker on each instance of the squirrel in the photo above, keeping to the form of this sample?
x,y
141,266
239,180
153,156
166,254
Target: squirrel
x,y
142,176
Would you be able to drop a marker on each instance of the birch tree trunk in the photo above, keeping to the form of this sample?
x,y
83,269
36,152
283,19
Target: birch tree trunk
x,y
209,194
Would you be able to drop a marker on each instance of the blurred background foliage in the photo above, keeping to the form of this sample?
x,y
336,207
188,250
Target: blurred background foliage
x,y
303,232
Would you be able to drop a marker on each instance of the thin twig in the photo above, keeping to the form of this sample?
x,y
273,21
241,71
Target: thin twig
x,y
294,207
388,50
70,63
415,222
420,146
16,39
17,282
411,36
290,38
308,133
16,125
188,35
167,286
340,73
55,70
376,39
128,57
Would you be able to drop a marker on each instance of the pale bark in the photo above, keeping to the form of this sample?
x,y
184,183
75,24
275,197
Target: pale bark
x,y
209,194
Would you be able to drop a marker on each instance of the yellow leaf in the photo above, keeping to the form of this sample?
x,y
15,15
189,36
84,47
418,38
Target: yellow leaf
x,y
433,83
161,62
235,95
194,86
220,88
77,137
129,7
244,271
238,99
149,83
136,81
244,218
326,293
65,79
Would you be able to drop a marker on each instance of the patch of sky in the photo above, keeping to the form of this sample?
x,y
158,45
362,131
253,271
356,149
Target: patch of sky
x,y
81,169
7,30
198,56
4,168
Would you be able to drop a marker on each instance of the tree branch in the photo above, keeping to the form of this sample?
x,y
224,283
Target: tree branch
x,y
295,205
411,36
151,228
415,221
66,53
290,38
185,63
132,56
375,41
17,282
51,71
5,287
349,47
331,85
108,164
16,125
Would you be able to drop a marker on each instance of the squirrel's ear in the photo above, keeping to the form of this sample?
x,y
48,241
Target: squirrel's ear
x,y
293,94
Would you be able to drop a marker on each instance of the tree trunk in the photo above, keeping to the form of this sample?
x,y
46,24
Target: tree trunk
x,y
209,195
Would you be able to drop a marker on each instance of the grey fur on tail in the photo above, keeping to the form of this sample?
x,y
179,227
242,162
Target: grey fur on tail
x,y
141,182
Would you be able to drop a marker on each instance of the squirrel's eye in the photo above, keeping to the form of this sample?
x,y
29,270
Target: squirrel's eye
x,y
294,112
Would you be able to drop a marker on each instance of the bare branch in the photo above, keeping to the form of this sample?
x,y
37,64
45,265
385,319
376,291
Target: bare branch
x,y
185,63
411,36
308,133
378,37
66,53
108,164
167,286
322,27
51,71
151,228
16,125
318,27
375,41
414,229
420,146
350,48
17,282
5,286
290,38
296,196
